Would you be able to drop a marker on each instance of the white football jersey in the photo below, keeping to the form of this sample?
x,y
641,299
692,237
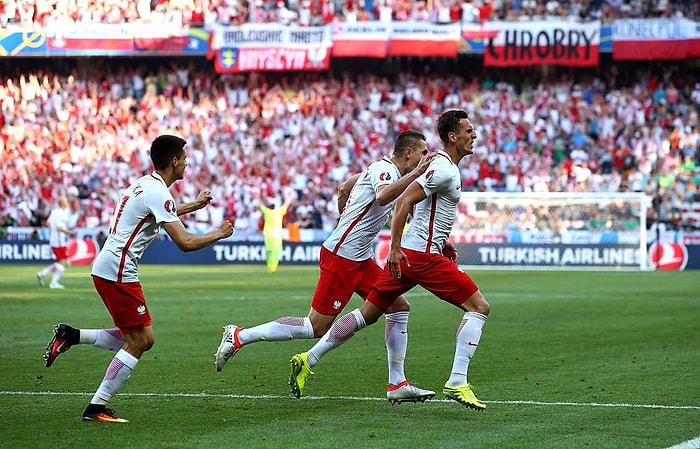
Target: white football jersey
x,y
58,218
363,218
142,207
434,216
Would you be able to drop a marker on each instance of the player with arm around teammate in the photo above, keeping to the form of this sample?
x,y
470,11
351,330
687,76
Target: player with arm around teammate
x,y
347,266
144,207
417,259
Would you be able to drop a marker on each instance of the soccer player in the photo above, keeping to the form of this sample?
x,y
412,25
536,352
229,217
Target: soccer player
x,y
142,209
59,232
347,265
417,259
273,219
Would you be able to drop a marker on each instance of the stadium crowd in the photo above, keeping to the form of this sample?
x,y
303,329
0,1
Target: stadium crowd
x,y
85,134
207,13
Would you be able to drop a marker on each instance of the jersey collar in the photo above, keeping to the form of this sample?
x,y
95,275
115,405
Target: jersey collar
x,y
447,156
158,177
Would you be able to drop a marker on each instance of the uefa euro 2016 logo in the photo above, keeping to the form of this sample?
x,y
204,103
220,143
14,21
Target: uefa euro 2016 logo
x,y
170,206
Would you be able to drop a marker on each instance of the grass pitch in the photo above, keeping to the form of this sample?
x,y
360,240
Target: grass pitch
x,y
567,360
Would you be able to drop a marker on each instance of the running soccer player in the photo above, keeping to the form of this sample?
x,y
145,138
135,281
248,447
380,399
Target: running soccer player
x,y
59,231
142,209
417,259
347,266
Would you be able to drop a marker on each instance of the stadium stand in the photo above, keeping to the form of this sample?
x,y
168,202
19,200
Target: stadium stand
x,y
87,124
89,128
307,12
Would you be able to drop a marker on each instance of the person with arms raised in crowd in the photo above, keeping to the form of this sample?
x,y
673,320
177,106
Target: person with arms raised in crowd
x,y
421,257
59,231
347,266
142,209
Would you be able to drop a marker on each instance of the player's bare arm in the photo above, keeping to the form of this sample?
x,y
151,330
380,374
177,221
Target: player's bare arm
x,y
389,192
203,200
288,197
68,232
413,195
344,191
188,241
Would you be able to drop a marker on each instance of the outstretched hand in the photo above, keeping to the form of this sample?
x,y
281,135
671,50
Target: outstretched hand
x,y
289,194
424,163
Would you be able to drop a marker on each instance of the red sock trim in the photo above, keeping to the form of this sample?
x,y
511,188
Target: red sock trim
x,y
390,387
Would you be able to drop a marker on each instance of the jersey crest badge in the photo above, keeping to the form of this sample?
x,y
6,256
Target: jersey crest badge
x,y
429,174
386,176
170,206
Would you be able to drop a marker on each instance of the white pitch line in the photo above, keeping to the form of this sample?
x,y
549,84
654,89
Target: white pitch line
x,y
690,444
597,404
351,398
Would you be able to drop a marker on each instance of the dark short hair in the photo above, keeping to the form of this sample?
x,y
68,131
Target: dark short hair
x,y
164,148
448,122
409,138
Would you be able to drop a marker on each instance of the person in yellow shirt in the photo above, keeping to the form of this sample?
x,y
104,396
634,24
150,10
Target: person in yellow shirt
x,y
273,221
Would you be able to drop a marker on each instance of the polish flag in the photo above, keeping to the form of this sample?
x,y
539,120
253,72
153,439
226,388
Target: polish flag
x,y
649,39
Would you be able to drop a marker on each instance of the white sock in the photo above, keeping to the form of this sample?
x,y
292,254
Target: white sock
x,y
58,272
340,332
109,339
468,336
118,372
396,339
48,269
282,329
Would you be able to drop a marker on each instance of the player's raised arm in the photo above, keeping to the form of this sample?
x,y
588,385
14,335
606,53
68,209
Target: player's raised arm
x,y
203,200
387,194
188,241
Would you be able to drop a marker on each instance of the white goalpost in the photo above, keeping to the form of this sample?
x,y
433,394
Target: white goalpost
x,y
553,230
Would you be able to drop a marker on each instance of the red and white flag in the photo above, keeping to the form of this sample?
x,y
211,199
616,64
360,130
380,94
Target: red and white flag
x,y
424,39
649,39
692,30
91,37
364,39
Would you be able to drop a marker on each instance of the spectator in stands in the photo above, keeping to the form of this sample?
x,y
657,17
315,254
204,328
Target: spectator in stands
x,y
207,13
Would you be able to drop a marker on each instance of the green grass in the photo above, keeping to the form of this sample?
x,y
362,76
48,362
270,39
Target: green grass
x,y
567,360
